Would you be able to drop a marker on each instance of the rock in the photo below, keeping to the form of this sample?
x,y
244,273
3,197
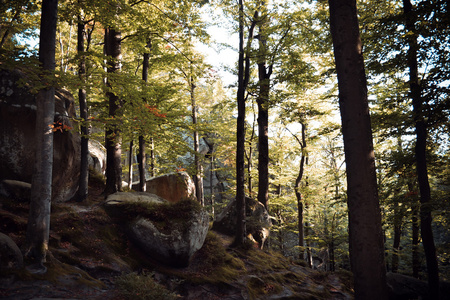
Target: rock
x,y
10,256
18,137
169,233
172,187
97,156
406,287
17,190
258,221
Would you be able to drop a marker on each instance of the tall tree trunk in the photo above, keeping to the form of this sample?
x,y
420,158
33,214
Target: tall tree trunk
x,y
420,153
113,139
365,232
83,186
38,227
198,177
141,154
240,135
264,74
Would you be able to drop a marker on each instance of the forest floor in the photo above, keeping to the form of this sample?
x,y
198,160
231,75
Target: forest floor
x,y
90,258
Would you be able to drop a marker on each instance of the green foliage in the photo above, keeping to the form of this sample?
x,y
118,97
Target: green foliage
x,y
142,287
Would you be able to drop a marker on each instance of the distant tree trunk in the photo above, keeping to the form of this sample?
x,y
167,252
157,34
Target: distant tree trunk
x,y
130,165
83,186
249,157
113,139
420,153
331,245
211,177
264,74
297,185
38,227
152,157
198,177
365,232
415,240
398,215
141,154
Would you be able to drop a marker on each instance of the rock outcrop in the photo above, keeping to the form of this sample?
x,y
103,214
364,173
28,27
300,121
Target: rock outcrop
x,y
258,221
172,187
10,256
97,156
167,232
17,136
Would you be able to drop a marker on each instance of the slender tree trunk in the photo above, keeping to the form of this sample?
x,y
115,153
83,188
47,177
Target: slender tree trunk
x,y
298,194
250,160
130,165
415,241
38,227
141,154
331,245
420,153
211,177
264,74
83,186
240,136
113,139
397,236
365,232
198,177
152,158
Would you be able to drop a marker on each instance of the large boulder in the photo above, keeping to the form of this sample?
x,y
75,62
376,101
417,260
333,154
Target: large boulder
x,y
10,256
169,233
18,136
97,156
172,187
258,221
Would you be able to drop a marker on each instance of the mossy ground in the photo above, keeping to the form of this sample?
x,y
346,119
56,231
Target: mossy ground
x,y
88,250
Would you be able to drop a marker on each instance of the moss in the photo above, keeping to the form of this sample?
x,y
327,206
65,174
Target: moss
x,y
142,287
213,264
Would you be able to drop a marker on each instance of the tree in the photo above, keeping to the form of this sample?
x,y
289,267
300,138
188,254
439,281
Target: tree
x,y
243,78
365,233
113,140
38,228
421,153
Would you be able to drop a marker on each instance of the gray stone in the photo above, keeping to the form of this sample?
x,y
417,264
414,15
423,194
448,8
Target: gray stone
x,y
18,136
10,256
97,156
169,241
258,221
17,190
172,187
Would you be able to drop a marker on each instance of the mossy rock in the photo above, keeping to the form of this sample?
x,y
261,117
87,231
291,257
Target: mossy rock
x,y
167,232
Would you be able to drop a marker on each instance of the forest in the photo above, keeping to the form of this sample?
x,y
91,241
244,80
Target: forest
x,y
333,116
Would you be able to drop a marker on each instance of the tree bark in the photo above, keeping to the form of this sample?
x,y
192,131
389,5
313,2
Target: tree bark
x,y
198,177
264,74
113,139
38,227
240,135
365,232
420,154
83,186
398,215
298,193
141,154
